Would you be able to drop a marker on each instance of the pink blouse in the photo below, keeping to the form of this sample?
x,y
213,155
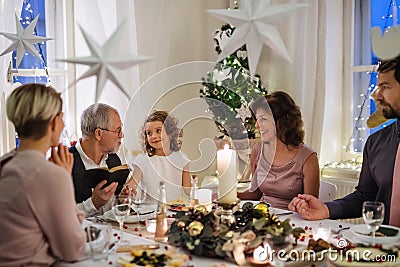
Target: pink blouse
x,y
279,184
38,222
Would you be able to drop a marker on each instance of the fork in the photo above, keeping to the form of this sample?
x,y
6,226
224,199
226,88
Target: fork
x,y
97,218
339,231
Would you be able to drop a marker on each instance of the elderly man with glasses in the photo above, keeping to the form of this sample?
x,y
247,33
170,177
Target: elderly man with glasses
x,y
101,128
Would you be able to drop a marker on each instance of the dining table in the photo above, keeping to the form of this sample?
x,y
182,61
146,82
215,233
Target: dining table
x,y
137,235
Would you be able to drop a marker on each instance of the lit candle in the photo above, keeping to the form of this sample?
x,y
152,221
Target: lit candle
x,y
151,225
226,164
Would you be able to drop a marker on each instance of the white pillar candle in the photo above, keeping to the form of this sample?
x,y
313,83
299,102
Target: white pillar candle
x,y
226,164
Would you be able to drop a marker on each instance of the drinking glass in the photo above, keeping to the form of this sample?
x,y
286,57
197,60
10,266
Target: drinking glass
x,y
139,198
99,239
373,214
121,207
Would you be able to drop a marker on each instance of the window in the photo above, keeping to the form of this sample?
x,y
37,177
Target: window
x,y
367,14
51,23
29,11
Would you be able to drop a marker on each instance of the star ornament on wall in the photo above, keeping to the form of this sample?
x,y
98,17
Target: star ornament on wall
x,y
255,25
106,62
24,40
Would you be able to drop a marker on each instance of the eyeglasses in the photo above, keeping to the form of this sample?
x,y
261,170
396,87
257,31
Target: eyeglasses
x,y
118,132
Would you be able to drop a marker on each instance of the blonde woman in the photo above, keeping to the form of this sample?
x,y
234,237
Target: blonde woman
x,y
39,220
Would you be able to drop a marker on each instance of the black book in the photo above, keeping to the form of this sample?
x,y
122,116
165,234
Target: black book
x,y
119,174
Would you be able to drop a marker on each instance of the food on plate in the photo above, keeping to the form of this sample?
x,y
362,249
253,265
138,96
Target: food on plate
x,y
318,245
173,202
138,257
179,207
386,231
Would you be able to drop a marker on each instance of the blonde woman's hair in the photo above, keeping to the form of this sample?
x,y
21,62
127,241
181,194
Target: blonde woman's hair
x,y
31,107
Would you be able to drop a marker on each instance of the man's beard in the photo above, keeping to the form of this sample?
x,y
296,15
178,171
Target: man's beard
x,y
390,112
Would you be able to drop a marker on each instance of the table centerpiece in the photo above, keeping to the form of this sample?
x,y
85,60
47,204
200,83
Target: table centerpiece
x,y
203,234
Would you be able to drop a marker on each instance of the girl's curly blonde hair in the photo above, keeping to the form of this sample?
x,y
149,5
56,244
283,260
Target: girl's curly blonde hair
x,y
170,124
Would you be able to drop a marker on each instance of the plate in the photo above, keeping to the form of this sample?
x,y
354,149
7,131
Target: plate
x,y
178,207
146,212
174,258
362,233
369,253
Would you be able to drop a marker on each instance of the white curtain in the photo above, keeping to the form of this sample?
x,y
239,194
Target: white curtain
x,y
313,36
100,19
7,24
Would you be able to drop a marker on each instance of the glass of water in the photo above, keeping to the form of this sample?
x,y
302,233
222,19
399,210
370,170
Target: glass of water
x,y
121,207
373,213
138,200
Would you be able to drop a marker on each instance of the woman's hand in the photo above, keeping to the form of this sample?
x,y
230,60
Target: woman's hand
x,y
80,214
62,157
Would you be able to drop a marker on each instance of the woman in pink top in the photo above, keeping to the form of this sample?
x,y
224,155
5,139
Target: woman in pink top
x,y
39,220
282,165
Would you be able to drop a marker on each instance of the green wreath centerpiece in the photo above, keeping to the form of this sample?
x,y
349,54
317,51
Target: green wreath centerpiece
x,y
201,232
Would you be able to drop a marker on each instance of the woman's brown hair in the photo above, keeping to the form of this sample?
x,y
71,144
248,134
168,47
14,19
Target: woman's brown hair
x,y
287,116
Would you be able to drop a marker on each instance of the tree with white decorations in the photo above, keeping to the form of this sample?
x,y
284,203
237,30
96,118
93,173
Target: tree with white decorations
x,y
229,89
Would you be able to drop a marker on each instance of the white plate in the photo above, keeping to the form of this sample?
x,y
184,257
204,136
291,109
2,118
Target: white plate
x,y
349,235
362,233
336,260
176,257
146,212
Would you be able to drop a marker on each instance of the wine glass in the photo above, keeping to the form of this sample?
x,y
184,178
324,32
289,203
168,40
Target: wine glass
x,y
373,214
139,198
121,207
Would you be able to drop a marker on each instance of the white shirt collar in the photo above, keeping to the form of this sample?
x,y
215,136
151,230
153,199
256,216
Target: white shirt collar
x,y
88,162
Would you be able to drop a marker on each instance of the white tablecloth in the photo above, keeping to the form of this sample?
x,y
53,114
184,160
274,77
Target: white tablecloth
x,y
295,220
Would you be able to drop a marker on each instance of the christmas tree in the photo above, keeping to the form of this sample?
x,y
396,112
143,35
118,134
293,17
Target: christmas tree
x,y
229,89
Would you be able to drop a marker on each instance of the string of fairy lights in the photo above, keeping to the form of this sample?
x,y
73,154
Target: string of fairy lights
x,y
360,131
29,61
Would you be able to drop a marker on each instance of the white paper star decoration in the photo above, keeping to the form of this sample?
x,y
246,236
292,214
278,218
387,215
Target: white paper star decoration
x,y
255,24
24,40
106,62
386,46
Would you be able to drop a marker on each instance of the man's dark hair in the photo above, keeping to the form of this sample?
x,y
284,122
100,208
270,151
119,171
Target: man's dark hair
x,y
390,64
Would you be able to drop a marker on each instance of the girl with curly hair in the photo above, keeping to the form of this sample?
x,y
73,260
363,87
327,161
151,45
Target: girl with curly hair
x,y
282,165
163,160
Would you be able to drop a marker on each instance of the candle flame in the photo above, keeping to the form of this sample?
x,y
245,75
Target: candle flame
x,y
226,146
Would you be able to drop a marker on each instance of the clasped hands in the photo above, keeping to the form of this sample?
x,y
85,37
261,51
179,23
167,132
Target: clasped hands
x,y
309,207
